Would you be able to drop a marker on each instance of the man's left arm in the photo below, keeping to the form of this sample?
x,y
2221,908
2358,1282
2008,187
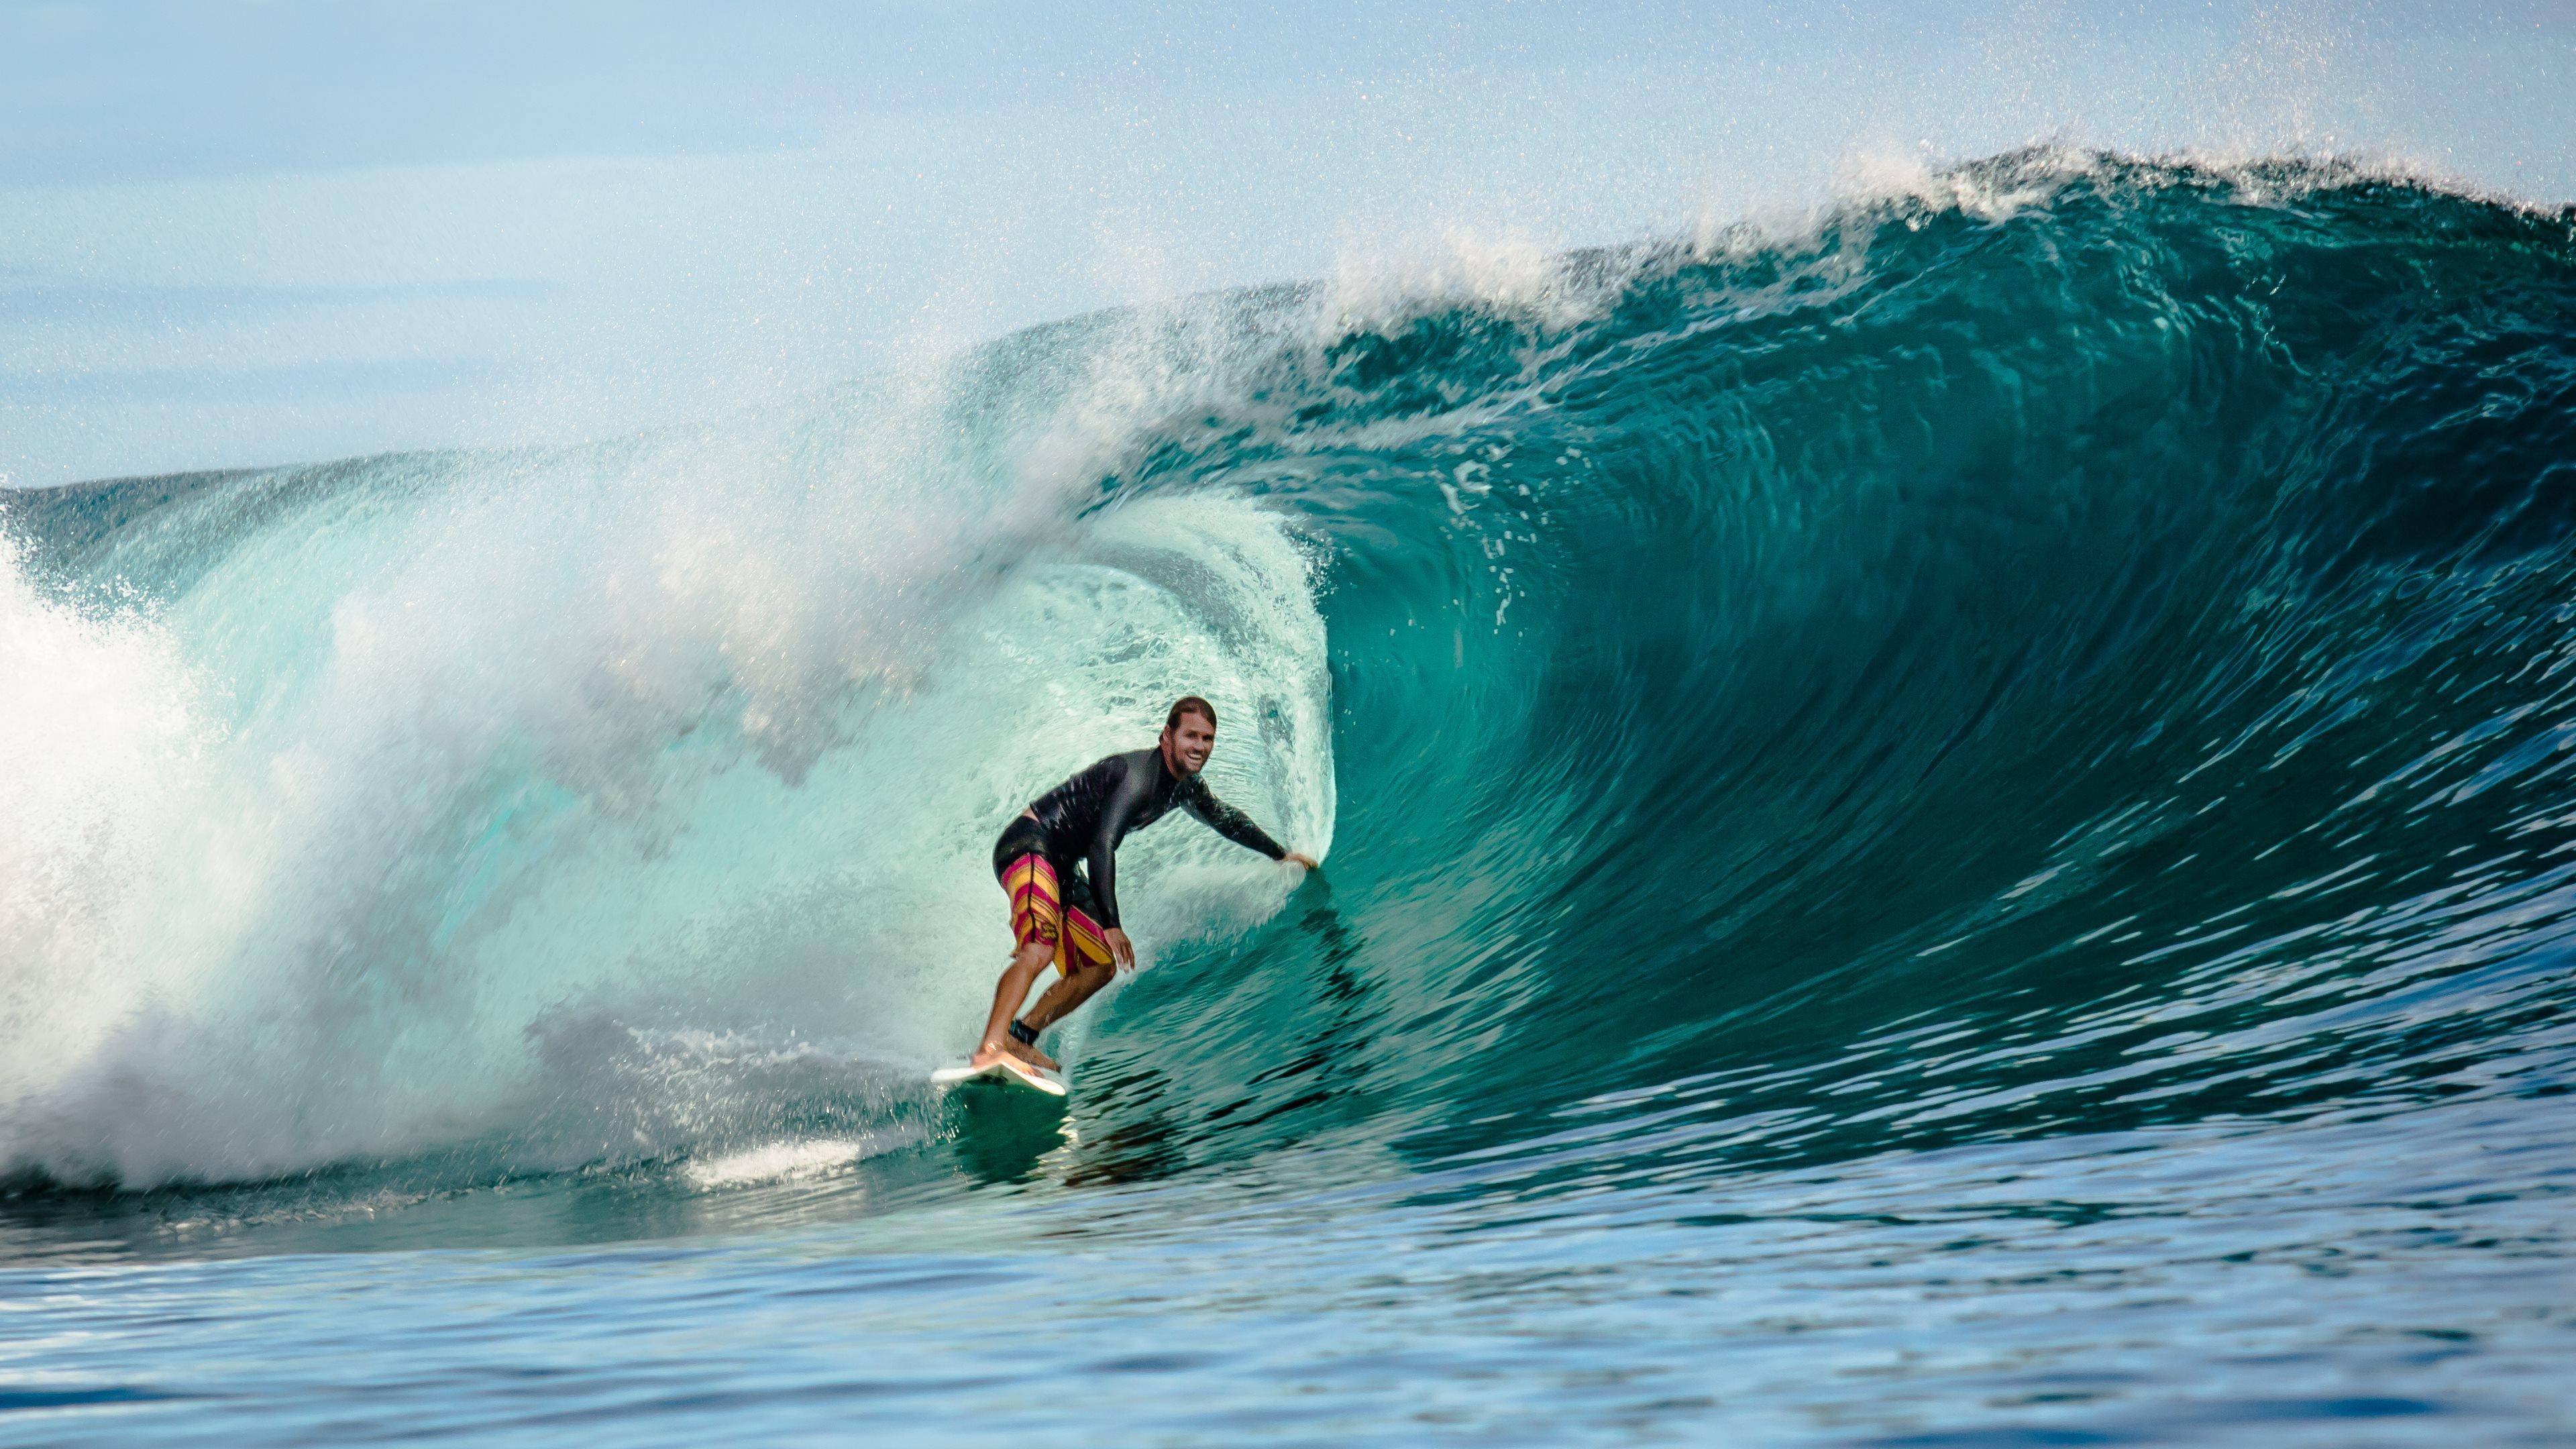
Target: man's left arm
x,y
1233,824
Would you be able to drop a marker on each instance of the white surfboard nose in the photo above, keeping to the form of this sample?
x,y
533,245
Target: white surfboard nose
x,y
1003,1071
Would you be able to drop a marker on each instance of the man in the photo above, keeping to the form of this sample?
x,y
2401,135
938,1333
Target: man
x,y
1056,913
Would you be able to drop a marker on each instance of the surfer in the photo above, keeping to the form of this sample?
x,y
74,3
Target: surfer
x,y
1059,915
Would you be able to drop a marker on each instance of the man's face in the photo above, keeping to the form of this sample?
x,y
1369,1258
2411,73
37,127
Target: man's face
x,y
1187,743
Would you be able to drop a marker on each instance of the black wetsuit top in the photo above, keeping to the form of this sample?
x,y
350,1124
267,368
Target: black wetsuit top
x,y
1084,818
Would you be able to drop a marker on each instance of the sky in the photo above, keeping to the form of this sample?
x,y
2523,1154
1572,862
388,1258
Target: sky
x,y
281,230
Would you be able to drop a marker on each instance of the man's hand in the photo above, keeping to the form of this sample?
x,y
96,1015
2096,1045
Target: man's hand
x,y
1121,952
1300,858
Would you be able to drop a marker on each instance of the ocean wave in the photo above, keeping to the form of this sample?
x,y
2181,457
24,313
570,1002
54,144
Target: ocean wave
x,y
2061,644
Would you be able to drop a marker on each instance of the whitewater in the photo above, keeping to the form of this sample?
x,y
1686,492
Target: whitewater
x,y
1948,819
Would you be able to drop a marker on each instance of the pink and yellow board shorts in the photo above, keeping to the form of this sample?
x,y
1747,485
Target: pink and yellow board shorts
x,y
1038,913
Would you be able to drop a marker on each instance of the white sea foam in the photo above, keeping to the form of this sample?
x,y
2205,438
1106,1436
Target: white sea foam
x,y
792,1161
102,730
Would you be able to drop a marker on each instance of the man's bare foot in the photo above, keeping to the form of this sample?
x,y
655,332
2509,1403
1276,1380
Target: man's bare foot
x,y
1032,1056
986,1056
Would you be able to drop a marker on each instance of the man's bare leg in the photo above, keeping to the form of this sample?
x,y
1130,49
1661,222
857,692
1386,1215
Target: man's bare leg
x,y
1017,978
1061,998
1054,1005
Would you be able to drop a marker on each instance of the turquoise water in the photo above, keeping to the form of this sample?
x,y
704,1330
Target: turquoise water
x,y
1946,823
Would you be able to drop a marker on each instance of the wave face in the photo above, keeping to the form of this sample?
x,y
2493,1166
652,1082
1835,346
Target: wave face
x,y
2067,646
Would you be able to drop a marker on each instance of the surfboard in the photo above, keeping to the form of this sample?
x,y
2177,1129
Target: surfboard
x,y
1007,1072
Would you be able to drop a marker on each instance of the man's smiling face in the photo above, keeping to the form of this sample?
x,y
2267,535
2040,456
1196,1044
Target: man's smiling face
x,y
1187,743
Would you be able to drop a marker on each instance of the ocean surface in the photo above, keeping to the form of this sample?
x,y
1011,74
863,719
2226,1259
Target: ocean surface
x,y
1949,820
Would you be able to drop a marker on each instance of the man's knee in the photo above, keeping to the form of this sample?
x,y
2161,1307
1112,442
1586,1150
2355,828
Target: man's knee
x,y
1023,972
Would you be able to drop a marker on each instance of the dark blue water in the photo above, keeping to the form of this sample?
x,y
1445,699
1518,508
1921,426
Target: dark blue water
x,y
1951,825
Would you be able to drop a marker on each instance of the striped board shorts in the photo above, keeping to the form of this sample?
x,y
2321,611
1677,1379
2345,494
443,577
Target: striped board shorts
x,y
1038,913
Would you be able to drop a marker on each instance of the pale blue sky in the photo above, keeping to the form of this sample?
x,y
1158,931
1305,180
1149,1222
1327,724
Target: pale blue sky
x,y
248,233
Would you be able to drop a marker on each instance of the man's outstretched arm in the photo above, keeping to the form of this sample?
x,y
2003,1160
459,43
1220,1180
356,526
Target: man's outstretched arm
x,y
1233,824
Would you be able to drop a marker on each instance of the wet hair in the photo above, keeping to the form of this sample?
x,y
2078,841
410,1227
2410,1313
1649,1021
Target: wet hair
x,y
1189,704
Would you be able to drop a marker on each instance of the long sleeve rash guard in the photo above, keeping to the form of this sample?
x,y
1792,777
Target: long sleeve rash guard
x,y
1085,817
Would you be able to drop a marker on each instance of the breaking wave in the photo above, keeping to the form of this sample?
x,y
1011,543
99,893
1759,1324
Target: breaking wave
x,y
2070,643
